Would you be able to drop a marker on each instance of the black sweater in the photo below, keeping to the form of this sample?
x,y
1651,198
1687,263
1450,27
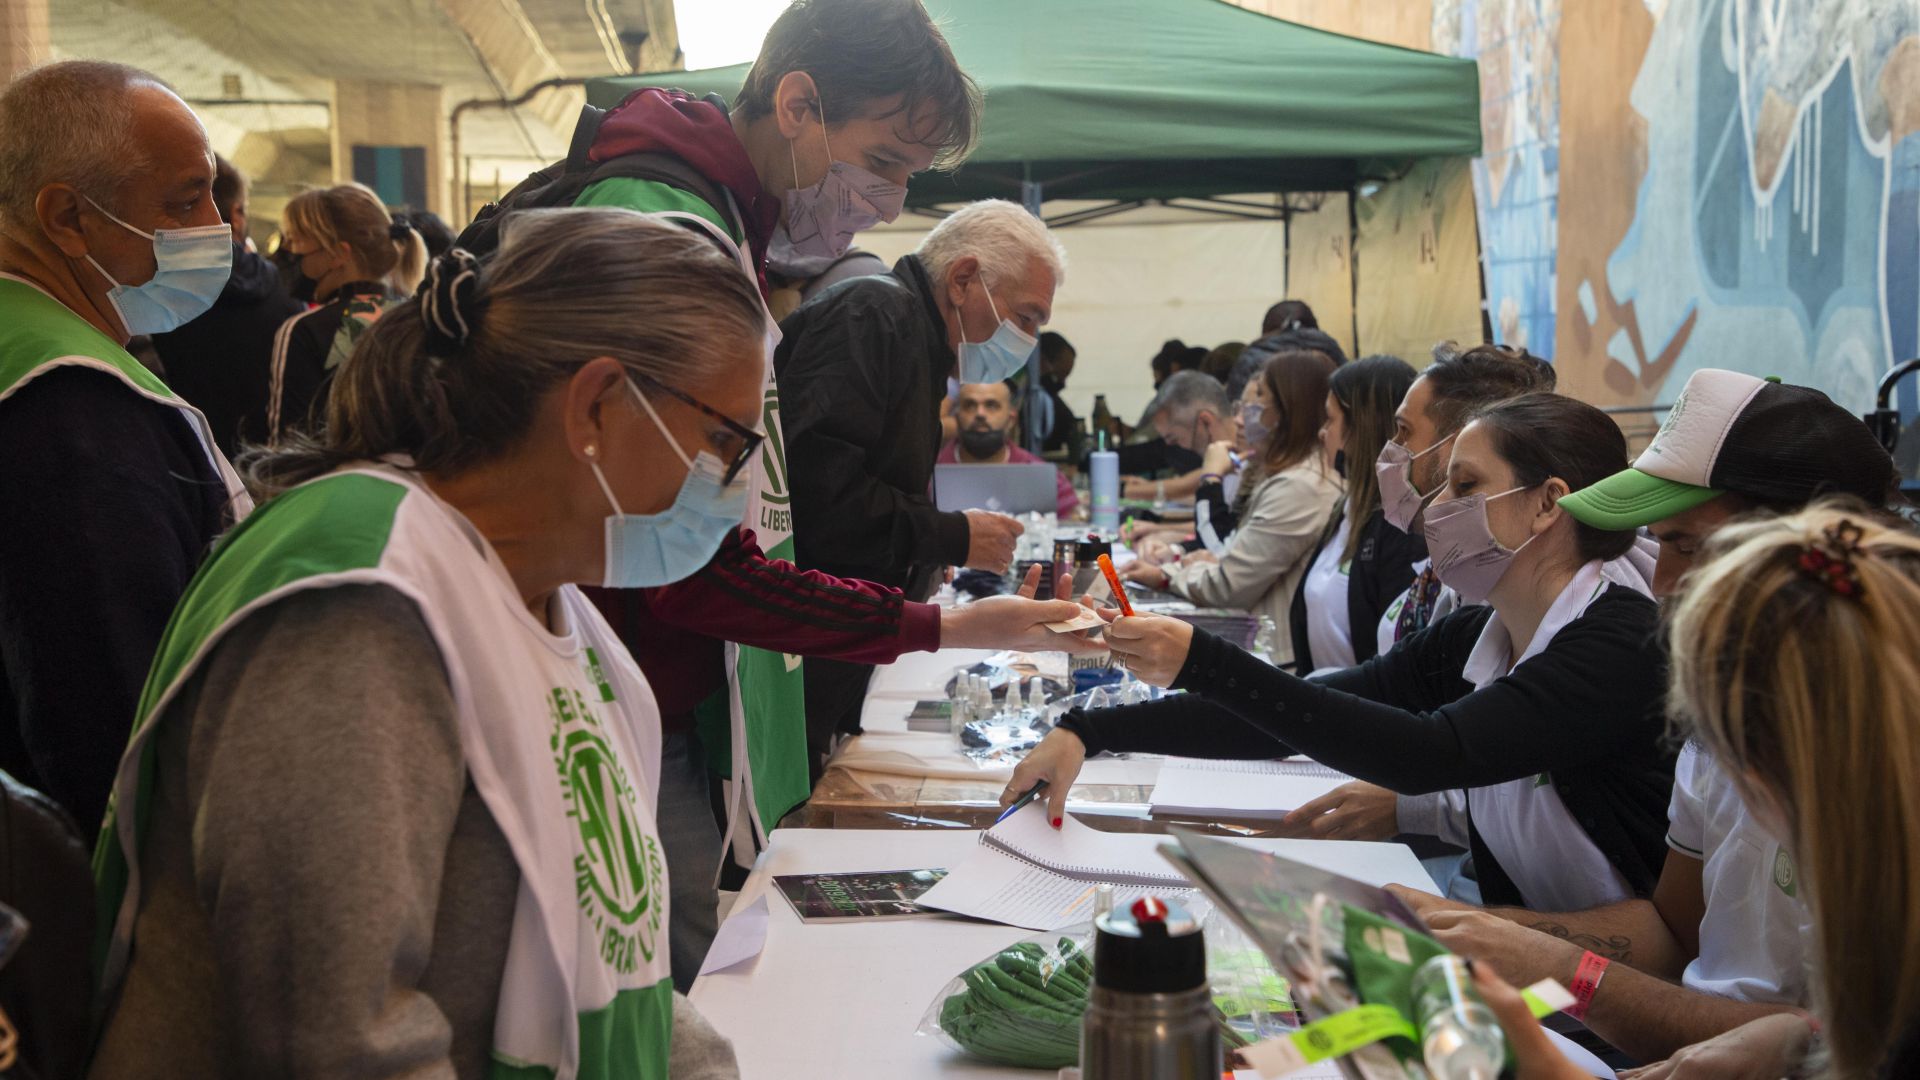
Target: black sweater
x,y
110,504
1586,710
1382,569
862,369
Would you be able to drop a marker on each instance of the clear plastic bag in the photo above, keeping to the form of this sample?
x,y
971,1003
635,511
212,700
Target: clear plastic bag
x,y
1255,1002
1022,1005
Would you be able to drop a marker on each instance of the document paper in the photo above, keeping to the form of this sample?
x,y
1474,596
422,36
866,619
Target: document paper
x,y
1240,789
1026,873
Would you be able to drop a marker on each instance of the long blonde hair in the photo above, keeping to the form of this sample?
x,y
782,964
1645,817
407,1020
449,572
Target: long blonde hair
x,y
1796,663
389,250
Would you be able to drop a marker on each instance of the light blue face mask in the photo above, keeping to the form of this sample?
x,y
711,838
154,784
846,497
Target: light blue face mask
x,y
998,357
191,266
646,550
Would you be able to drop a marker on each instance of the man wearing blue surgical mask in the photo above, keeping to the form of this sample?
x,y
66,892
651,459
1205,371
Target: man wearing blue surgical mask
x,y
862,369
113,487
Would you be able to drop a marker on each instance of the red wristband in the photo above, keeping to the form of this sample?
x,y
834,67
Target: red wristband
x,y
1586,981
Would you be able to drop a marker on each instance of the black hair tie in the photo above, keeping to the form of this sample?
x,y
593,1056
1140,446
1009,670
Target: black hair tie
x,y
399,228
450,302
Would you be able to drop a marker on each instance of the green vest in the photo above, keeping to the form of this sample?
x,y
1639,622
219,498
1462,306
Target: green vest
x,y
39,334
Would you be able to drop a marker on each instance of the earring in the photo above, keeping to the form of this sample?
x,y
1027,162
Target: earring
x,y
592,450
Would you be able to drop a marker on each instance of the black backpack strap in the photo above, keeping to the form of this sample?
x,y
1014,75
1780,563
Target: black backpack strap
x,y
675,172
585,130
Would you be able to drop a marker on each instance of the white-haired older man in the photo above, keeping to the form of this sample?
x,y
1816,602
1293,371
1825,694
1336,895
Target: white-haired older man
x,y
112,487
862,369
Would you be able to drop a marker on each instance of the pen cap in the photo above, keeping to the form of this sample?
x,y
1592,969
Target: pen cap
x,y
1150,947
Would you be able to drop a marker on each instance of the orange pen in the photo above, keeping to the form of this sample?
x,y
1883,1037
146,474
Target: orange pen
x,y
1119,590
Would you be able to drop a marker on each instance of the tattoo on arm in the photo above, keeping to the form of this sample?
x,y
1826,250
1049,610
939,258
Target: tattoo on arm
x,y
1619,947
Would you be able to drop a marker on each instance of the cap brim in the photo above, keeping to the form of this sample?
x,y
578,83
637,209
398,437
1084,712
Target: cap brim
x,y
1630,499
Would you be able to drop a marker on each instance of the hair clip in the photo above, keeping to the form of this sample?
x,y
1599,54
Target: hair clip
x,y
1830,561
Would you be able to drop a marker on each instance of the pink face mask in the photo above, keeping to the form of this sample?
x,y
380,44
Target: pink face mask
x,y
1466,557
1400,501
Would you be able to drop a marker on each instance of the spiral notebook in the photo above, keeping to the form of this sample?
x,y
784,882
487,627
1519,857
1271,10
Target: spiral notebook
x,y
1026,873
1198,788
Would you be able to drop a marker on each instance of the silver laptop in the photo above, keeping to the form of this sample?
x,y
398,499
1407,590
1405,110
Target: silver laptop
x,y
1010,489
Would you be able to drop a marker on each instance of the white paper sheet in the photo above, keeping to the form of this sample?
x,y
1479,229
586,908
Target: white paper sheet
x,y
1041,878
741,937
1243,789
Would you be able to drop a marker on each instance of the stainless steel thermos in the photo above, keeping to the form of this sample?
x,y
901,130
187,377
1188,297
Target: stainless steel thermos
x,y
1150,1014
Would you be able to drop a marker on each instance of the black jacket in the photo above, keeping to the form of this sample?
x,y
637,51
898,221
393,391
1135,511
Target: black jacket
x,y
220,362
1382,569
862,369
302,350
1586,710
110,505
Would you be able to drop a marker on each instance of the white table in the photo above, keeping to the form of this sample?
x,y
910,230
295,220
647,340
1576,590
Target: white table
x,y
836,1001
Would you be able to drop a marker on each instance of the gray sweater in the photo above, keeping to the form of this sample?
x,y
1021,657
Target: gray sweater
x,y
324,893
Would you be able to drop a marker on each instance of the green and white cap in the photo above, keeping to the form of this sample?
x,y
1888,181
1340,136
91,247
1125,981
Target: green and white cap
x,y
1730,432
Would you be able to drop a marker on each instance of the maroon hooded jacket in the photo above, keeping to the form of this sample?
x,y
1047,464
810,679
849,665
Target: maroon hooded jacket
x,y
676,631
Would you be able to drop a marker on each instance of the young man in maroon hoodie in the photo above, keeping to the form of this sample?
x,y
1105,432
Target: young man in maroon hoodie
x,y
848,99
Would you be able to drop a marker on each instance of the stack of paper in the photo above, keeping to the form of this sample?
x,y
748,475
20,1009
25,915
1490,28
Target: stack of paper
x,y
1027,873
1193,787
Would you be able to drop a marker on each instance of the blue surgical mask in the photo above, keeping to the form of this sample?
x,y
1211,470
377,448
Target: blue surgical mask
x,y
647,550
998,357
190,267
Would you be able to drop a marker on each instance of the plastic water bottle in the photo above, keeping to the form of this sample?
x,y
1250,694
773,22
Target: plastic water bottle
x,y
1263,638
1103,467
1459,1036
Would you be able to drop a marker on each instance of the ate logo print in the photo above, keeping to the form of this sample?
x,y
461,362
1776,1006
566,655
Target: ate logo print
x,y
774,517
617,868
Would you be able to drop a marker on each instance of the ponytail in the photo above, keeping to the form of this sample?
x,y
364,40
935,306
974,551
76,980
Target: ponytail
x,y
410,256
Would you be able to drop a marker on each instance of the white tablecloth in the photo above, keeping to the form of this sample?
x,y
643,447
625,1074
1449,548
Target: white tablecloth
x,y
836,1001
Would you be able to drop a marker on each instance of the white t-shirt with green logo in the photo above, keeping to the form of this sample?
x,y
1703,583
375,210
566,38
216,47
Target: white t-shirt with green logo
x,y
1757,934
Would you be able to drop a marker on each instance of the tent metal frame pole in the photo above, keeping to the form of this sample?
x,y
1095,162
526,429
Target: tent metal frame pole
x,y
1094,213
1353,261
1032,195
1199,207
1263,210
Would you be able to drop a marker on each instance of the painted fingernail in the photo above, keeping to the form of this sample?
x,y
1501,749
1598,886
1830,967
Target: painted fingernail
x,y
1056,823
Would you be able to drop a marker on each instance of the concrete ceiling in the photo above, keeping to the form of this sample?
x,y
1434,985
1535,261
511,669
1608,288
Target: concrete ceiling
x,y
284,51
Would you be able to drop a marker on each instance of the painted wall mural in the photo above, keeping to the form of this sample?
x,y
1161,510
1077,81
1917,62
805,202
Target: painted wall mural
x,y
1725,183
1517,176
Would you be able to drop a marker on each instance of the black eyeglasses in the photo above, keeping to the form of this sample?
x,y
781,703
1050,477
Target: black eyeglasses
x,y
750,439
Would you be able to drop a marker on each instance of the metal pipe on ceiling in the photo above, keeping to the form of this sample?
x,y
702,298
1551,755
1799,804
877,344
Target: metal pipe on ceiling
x,y
453,125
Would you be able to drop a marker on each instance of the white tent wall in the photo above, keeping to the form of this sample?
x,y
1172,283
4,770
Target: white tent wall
x,y
1132,284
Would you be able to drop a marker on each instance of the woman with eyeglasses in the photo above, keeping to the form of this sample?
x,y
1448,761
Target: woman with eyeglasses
x,y
390,804
1293,492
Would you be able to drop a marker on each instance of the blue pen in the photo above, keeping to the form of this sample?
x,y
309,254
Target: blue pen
x,y
1033,793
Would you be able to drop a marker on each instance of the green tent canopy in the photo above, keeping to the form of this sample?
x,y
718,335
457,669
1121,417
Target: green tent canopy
x,y
1160,99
